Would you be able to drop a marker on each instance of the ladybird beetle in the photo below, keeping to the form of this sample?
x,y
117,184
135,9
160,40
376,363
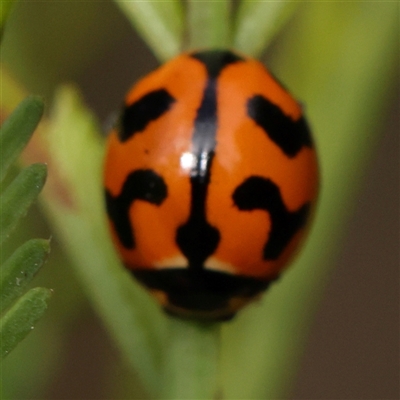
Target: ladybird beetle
x,y
210,178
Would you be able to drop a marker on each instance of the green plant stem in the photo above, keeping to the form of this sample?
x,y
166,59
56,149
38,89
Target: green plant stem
x,y
191,361
134,319
257,22
209,24
160,23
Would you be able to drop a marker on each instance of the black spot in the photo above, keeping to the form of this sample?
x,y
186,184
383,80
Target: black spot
x,y
216,60
289,135
200,289
263,194
143,185
139,114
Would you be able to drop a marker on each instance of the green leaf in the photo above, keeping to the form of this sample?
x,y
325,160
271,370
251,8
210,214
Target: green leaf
x,y
160,23
18,271
131,315
209,24
17,130
257,22
19,195
21,318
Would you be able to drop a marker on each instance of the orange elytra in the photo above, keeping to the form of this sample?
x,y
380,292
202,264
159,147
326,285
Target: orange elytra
x,y
210,178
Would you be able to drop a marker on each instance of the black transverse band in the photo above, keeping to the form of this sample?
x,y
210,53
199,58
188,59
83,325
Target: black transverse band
x,y
289,135
138,115
200,289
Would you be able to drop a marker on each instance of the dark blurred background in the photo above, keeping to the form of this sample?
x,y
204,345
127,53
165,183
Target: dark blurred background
x,y
353,348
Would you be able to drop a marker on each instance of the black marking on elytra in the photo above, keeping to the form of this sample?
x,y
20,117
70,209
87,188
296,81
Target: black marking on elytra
x,y
257,193
139,114
200,289
143,184
289,135
196,238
